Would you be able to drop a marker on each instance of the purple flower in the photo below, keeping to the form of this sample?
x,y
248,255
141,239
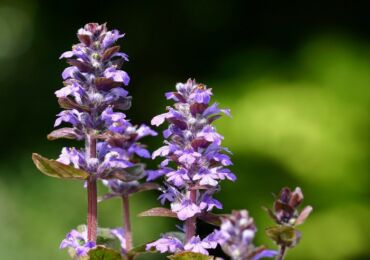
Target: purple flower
x,y
185,209
74,90
201,96
143,131
265,253
72,156
78,242
69,72
94,81
208,203
193,144
194,160
166,244
158,120
115,121
93,97
110,38
119,233
169,194
154,174
236,234
163,151
178,178
117,75
69,116
198,245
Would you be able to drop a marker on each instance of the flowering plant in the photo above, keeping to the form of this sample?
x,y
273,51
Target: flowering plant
x,y
194,163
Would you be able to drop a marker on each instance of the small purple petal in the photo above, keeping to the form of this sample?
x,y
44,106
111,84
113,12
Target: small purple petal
x,y
185,209
196,245
158,120
68,72
265,254
166,244
117,75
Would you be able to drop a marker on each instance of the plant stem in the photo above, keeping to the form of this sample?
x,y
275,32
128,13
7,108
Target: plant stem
x,y
281,253
127,224
190,223
92,208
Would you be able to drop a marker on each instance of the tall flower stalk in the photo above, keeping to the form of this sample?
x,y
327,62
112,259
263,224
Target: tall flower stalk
x,y
93,84
92,96
194,164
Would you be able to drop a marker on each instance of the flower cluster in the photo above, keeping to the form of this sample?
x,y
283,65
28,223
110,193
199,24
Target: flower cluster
x,y
236,234
172,244
286,215
194,161
285,211
93,90
93,97
194,148
116,152
76,240
93,87
94,81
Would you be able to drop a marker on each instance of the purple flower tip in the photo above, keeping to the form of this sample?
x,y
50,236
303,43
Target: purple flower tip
x,y
78,242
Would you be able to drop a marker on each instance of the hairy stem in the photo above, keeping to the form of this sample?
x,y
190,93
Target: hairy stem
x,y
127,224
282,253
92,208
190,223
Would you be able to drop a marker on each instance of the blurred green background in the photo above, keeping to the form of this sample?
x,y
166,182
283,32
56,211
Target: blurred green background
x,y
295,75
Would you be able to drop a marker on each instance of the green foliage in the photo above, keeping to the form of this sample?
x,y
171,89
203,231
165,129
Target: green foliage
x,y
283,235
103,253
305,125
190,256
56,169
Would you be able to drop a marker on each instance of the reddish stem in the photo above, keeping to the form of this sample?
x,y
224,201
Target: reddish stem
x,y
190,223
127,224
281,253
92,209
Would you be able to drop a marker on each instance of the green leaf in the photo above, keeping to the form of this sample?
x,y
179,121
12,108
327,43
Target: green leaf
x,y
190,256
158,212
283,235
56,169
103,253
107,239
